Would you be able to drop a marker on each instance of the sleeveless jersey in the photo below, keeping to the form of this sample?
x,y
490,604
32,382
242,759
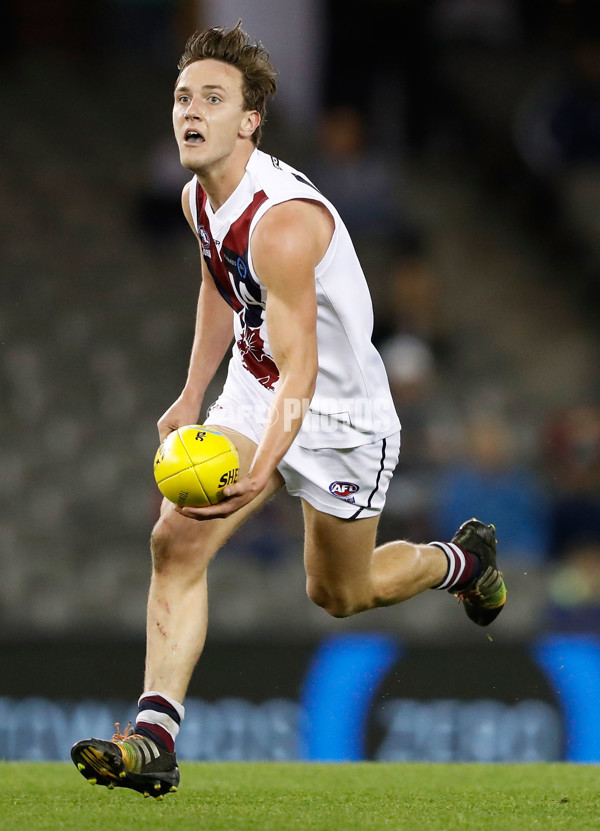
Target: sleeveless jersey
x,y
352,404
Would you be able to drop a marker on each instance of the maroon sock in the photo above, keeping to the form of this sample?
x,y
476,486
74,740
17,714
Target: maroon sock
x,y
463,566
159,718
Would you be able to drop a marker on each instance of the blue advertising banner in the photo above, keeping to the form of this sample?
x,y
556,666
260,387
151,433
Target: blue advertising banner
x,y
353,696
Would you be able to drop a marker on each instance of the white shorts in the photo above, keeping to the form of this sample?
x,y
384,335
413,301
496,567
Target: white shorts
x,y
350,483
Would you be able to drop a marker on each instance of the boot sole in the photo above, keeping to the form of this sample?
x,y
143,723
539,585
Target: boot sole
x,y
101,765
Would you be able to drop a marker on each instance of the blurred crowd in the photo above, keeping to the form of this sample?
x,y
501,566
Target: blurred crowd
x,y
429,114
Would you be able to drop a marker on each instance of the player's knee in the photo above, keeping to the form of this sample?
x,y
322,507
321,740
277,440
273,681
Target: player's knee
x,y
170,551
334,600
161,546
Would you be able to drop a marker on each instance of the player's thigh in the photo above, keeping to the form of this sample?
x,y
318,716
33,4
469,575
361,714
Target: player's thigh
x,y
191,539
337,552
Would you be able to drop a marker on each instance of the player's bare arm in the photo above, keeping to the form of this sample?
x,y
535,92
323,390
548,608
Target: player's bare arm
x,y
288,243
212,337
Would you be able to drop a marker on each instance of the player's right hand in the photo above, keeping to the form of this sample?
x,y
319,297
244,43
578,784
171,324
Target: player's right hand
x,y
185,410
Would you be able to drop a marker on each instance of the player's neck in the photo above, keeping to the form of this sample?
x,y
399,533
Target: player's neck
x,y
220,181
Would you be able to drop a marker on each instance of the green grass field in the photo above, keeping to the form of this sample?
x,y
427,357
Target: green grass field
x,y
277,797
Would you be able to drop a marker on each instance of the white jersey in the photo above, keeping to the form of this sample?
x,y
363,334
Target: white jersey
x,y
352,404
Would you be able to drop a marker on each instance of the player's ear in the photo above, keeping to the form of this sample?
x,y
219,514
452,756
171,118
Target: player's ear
x,y
249,123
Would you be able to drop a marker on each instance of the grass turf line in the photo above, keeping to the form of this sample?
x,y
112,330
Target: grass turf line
x,y
325,797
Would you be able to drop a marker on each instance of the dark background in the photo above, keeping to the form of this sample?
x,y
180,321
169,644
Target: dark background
x,y
461,147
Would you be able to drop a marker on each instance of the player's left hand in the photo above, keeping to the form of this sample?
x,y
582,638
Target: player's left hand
x,y
235,497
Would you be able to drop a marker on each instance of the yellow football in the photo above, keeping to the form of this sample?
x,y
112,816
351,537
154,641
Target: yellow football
x,y
194,464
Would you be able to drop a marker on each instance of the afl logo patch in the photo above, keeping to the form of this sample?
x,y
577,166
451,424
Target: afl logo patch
x,y
343,489
204,238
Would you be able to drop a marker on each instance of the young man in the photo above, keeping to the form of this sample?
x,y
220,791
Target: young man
x,y
306,402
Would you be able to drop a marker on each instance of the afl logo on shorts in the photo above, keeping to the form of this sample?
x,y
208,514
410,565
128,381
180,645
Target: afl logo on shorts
x,y
343,489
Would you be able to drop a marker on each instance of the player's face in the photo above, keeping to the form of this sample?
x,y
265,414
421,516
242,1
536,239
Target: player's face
x,y
208,114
